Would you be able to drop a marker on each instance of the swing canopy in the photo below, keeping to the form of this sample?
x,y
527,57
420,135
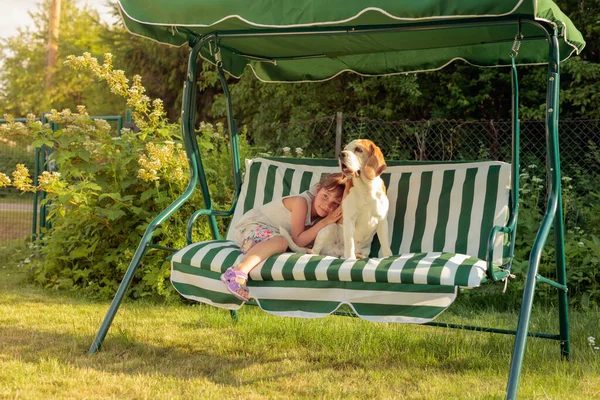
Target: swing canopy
x,y
307,40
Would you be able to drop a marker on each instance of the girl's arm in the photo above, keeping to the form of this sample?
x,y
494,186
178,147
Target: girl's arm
x,y
301,236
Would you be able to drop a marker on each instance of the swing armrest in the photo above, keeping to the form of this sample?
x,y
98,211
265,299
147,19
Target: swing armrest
x,y
491,274
207,212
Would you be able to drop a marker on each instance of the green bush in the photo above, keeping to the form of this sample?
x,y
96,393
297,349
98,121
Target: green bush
x,y
109,187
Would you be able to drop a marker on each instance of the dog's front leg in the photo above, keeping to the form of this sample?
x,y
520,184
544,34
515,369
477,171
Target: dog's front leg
x,y
384,238
349,246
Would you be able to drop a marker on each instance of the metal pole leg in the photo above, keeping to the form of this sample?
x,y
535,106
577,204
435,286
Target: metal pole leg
x,y
553,213
114,306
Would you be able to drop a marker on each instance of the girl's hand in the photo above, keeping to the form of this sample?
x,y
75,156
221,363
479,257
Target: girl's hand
x,y
333,217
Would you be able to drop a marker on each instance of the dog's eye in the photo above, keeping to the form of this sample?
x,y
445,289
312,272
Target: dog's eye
x,y
358,150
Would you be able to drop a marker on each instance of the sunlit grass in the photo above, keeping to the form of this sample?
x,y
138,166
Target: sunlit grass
x,y
193,351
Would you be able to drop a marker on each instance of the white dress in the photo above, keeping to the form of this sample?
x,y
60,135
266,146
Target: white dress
x,y
268,218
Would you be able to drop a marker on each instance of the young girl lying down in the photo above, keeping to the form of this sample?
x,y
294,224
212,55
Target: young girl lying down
x,y
304,215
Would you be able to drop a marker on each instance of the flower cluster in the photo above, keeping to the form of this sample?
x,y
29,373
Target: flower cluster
x,y
14,128
287,152
145,112
48,180
4,180
592,342
21,179
166,159
7,142
531,182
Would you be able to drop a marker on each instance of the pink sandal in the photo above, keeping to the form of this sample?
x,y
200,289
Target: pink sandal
x,y
229,278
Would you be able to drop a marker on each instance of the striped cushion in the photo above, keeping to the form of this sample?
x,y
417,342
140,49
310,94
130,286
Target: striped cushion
x,y
440,218
448,207
447,269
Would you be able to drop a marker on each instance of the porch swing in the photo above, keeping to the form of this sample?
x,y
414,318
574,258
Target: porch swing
x,y
452,224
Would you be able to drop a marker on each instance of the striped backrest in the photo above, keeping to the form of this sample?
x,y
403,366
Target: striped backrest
x,y
448,207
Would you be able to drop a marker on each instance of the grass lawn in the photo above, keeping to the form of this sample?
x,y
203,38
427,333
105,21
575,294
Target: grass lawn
x,y
193,351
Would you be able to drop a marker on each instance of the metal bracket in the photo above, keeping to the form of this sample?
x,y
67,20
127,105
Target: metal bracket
x,y
517,43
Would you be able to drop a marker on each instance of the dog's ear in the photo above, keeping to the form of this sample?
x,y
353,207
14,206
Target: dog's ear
x,y
375,164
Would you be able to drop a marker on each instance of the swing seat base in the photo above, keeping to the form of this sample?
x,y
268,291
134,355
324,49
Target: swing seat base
x,y
408,288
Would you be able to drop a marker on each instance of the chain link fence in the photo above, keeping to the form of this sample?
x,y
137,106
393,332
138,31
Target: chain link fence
x,y
436,140
439,140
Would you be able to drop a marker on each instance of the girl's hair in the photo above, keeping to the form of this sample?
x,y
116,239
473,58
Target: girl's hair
x,y
333,181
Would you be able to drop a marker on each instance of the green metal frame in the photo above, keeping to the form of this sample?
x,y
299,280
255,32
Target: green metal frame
x,y
553,214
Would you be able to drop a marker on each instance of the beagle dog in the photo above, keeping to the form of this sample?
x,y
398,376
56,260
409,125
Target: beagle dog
x,y
365,203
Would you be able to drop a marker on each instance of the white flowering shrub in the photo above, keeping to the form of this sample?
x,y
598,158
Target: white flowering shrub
x,y
108,187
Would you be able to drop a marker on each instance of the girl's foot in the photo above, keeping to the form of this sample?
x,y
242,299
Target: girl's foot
x,y
236,283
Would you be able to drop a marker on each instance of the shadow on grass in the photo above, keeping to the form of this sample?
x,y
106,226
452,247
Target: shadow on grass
x,y
122,355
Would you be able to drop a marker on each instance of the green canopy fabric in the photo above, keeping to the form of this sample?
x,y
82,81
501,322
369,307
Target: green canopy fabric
x,y
313,40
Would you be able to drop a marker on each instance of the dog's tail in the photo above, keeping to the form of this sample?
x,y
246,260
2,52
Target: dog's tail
x,y
291,244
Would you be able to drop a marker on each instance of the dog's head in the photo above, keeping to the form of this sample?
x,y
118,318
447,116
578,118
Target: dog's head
x,y
362,156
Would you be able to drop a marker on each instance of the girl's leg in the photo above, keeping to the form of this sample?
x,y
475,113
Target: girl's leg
x,y
261,251
257,253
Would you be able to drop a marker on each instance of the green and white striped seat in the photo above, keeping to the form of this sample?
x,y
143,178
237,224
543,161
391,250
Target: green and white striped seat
x,y
440,218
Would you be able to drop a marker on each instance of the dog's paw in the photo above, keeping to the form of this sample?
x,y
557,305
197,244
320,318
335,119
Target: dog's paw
x,y
360,256
311,251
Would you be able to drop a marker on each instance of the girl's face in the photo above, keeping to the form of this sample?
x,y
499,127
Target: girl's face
x,y
326,201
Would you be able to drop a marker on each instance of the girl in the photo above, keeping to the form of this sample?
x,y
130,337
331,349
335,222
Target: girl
x,y
257,233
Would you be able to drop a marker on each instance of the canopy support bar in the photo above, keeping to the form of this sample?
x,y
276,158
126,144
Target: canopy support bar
x,y
193,159
367,29
236,168
553,215
234,138
273,60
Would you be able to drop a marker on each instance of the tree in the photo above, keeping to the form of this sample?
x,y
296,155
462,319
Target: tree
x,y
23,75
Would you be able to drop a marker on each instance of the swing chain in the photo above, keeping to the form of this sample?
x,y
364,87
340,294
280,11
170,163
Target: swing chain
x,y
216,53
218,58
505,279
516,46
517,43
